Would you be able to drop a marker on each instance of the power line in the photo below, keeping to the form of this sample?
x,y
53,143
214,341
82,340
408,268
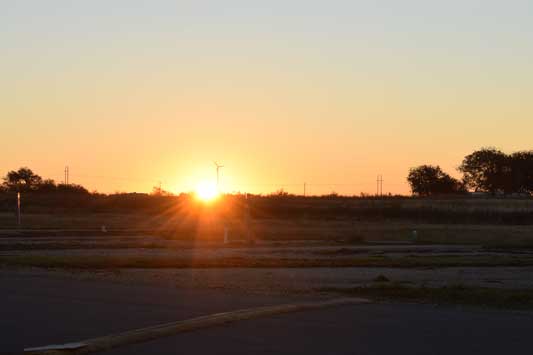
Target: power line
x,y
234,187
123,178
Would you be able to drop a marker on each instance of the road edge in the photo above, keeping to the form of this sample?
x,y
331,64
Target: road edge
x,y
167,329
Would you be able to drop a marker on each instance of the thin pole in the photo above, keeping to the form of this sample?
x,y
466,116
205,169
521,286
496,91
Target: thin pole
x,y
305,187
18,210
379,186
66,175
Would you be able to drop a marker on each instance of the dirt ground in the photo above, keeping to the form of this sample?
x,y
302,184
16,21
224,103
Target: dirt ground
x,y
295,280
276,280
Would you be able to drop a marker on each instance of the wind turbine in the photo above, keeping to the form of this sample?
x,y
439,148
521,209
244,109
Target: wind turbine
x,y
218,166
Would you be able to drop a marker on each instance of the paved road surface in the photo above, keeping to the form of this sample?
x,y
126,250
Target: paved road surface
x,y
362,329
37,311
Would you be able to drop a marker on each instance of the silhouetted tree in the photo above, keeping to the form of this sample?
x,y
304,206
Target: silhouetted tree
x,y
158,191
280,193
47,185
488,170
23,179
72,188
522,171
428,180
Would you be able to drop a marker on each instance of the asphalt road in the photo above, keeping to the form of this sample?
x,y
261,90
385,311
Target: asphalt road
x,y
41,311
361,329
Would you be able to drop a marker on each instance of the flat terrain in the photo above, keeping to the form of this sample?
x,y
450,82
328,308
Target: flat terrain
x,y
279,267
432,291
355,229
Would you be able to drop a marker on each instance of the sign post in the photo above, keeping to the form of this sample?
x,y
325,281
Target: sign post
x,y
18,209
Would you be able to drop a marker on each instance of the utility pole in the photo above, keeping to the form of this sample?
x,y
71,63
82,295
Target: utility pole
x,y
66,175
305,188
379,186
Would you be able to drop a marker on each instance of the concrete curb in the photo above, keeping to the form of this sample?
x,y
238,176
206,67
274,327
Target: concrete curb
x,y
167,329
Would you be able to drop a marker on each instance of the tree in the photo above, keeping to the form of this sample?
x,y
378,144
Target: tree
x,y
429,180
488,170
72,189
47,185
280,193
24,179
522,171
158,191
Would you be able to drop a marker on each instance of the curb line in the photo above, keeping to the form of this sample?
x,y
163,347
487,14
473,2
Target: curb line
x,y
167,329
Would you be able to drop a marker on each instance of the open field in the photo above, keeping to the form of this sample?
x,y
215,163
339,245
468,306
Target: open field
x,y
143,211
112,262
274,267
136,264
348,231
300,255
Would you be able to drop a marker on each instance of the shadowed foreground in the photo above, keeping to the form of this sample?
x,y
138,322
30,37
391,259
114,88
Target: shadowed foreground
x,y
40,311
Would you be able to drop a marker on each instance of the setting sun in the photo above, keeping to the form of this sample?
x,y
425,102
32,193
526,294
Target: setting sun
x,y
206,191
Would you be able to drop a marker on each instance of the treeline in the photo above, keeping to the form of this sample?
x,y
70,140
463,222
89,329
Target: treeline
x,y
294,208
42,196
487,170
25,180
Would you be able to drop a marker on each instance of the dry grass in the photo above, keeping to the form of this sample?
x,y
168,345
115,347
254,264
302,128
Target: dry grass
x,y
454,294
345,231
147,262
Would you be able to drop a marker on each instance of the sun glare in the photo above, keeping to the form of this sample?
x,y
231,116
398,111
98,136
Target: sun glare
x,y
206,191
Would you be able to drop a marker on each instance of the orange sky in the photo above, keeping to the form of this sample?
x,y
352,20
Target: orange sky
x,y
161,96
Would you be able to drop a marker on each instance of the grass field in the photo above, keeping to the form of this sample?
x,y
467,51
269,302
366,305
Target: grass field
x,y
147,262
138,210
344,230
318,243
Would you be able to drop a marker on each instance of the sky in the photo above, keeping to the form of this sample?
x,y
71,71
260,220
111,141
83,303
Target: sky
x,y
329,93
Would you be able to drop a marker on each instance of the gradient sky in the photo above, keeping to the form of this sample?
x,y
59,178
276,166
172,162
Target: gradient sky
x,y
332,93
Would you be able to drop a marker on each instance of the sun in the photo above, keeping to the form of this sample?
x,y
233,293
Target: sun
x,y
206,191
